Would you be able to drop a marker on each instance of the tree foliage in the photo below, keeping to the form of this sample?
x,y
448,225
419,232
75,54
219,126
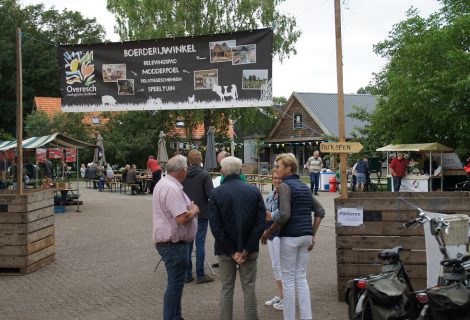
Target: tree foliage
x,y
141,19
69,124
425,87
130,137
42,30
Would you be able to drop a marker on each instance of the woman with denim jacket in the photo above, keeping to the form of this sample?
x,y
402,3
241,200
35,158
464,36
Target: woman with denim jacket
x,y
272,205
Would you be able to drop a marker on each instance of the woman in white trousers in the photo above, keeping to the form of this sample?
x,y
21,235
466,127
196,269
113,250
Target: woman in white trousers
x,y
297,231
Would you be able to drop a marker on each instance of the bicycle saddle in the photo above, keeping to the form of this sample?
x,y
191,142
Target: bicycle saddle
x,y
390,254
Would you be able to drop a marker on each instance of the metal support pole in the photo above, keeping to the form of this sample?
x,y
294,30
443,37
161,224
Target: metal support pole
x,y
78,184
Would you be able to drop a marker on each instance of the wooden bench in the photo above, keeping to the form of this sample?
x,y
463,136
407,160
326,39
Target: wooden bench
x,y
90,182
110,185
127,186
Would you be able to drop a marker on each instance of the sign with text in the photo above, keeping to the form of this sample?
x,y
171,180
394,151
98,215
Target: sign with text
x,y
41,155
350,217
70,155
210,71
340,147
56,153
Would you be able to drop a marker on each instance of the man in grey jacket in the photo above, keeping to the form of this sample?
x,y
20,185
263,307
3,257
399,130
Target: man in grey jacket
x,y
198,186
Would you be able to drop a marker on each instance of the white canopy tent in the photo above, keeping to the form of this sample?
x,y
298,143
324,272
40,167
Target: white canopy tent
x,y
430,148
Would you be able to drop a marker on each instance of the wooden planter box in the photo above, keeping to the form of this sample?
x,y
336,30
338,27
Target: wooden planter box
x,y
27,240
384,215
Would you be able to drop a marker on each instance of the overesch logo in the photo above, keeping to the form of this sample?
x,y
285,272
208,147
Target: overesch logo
x,y
79,68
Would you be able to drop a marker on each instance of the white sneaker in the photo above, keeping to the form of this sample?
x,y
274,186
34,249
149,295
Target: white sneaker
x,y
279,305
273,301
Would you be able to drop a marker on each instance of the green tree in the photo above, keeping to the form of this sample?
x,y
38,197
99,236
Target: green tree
x,y
141,19
425,87
130,137
69,124
38,124
5,136
42,30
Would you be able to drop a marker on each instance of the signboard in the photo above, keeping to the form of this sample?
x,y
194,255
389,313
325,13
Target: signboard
x,y
340,147
41,155
350,217
417,184
210,71
56,153
70,155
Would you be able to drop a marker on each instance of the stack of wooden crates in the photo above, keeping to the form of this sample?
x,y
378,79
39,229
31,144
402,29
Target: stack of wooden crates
x,y
27,237
384,215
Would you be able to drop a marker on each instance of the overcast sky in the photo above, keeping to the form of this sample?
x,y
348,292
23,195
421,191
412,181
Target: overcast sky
x,y
313,69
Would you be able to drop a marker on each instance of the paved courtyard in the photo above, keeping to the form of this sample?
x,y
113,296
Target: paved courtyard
x,y
105,263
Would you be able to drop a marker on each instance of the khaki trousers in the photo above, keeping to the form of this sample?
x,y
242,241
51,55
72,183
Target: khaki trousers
x,y
228,273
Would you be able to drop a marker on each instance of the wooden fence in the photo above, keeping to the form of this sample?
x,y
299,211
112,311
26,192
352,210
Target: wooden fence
x,y
384,214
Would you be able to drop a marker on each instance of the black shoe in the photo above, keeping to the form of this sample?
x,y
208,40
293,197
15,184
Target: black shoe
x,y
316,193
190,279
204,279
215,265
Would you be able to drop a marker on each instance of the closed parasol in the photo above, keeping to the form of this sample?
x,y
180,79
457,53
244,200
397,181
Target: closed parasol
x,y
162,155
99,156
210,161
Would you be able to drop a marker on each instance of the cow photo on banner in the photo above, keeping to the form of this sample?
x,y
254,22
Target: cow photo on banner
x,y
228,70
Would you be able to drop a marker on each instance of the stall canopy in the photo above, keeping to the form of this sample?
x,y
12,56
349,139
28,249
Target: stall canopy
x,y
37,142
416,147
433,147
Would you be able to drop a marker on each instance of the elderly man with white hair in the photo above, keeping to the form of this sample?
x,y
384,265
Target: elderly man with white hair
x,y
174,227
237,221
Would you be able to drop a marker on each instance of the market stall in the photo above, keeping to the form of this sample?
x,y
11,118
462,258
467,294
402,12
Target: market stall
x,y
423,175
56,141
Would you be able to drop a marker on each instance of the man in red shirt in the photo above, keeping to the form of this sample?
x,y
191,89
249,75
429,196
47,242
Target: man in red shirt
x,y
398,170
154,167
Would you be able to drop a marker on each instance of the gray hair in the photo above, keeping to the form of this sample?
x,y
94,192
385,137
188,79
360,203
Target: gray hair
x,y
231,165
176,163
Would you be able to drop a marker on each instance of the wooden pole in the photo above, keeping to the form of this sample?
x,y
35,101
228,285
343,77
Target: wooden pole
x,y
19,113
339,71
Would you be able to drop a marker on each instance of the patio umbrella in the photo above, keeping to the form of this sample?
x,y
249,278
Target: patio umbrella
x,y
99,156
162,155
210,161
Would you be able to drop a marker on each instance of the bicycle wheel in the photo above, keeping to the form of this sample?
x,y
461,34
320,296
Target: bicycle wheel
x,y
367,312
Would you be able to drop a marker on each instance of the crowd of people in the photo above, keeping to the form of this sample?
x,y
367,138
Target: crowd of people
x,y
102,175
186,201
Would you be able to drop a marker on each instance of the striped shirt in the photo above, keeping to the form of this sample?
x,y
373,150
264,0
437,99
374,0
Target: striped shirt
x,y
314,164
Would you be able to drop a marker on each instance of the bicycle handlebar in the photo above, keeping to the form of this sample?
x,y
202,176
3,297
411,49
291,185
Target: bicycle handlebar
x,y
455,262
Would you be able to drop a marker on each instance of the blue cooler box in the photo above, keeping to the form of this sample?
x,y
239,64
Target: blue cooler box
x,y
59,209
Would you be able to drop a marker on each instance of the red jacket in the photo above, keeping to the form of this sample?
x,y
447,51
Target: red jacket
x,y
153,165
399,166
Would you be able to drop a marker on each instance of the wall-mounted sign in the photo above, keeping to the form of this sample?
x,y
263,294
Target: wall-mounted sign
x,y
297,118
350,217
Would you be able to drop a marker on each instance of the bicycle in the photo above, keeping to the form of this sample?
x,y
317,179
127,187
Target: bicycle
x,y
382,296
450,298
